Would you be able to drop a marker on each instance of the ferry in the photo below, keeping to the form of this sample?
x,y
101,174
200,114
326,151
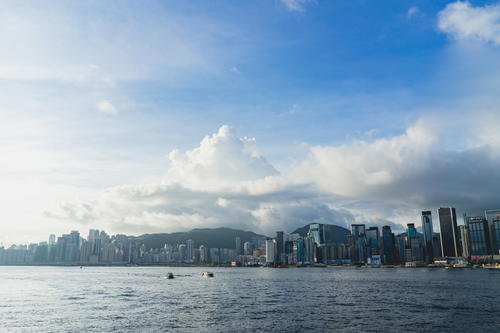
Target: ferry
x,y
207,274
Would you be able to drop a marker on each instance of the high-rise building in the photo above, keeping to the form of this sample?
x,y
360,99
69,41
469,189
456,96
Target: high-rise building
x,y
449,232
270,251
359,243
479,236
436,245
237,245
52,239
182,252
317,232
428,233
247,248
388,245
189,250
464,237
495,235
372,239
280,245
414,250
203,255
491,216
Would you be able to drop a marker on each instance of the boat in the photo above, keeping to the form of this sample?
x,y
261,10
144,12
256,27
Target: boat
x,y
207,274
169,276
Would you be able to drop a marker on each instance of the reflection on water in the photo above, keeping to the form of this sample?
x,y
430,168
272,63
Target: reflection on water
x,y
133,299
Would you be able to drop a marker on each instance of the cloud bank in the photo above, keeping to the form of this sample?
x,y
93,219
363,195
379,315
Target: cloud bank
x,y
226,182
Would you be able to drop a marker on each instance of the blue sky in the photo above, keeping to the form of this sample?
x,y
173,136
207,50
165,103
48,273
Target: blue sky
x,y
95,95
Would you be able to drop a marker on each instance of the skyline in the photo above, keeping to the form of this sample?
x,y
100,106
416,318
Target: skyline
x,y
307,111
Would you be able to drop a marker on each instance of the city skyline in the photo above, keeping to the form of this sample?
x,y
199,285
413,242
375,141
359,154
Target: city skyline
x,y
475,242
259,115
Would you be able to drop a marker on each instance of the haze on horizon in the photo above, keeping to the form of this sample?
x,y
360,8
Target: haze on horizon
x,y
260,115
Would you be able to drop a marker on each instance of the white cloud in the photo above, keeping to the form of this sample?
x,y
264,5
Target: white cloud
x,y
413,12
295,5
412,169
225,182
107,107
222,160
463,21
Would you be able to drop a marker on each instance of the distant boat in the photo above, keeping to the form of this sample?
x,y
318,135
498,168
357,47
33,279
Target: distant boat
x,y
207,274
169,276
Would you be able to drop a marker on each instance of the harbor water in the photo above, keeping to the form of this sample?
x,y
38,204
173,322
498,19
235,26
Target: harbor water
x,y
141,299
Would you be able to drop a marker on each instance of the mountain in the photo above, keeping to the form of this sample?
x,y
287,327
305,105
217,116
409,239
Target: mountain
x,y
334,233
217,237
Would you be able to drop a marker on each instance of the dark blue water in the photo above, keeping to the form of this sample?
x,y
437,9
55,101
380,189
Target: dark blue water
x,y
140,299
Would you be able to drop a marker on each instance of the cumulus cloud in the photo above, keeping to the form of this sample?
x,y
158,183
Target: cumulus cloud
x,y
222,182
226,182
107,107
222,160
463,21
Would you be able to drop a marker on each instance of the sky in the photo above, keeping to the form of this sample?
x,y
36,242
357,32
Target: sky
x,y
161,116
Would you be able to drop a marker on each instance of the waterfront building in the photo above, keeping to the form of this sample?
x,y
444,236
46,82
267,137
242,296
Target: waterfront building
x,y
465,241
280,245
372,239
182,249
400,247
359,253
479,236
449,232
300,250
317,232
189,250
270,251
388,245
428,232
310,250
436,245
492,215
214,256
237,245
495,235
247,248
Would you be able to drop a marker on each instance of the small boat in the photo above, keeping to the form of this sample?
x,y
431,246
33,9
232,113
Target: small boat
x,y
207,274
169,276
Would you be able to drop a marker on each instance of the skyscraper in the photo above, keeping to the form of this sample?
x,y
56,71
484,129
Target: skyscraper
x,y
428,232
372,238
189,250
270,251
280,245
388,248
479,236
464,236
237,245
495,235
491,216
317,232
359,243
449,232
247,248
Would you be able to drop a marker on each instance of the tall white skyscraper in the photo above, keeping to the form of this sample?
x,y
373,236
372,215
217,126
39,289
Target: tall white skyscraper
x,y
190,250
270,251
